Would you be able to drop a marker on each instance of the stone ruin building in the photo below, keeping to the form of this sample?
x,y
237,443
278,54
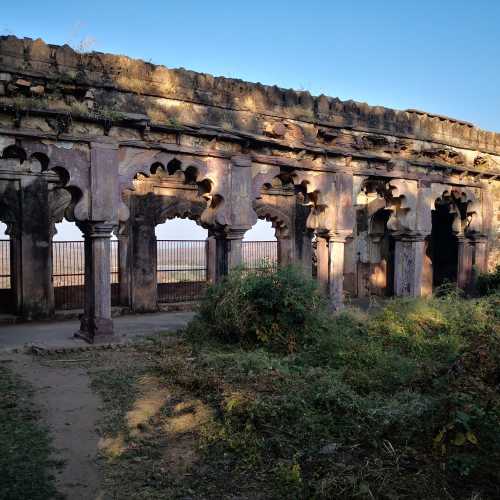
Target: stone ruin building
x,y
397,202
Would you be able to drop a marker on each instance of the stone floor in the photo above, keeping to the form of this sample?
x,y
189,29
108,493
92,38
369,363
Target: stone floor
x,y
54,334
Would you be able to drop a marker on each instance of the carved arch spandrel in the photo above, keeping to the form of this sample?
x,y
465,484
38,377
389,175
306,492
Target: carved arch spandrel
x,y
315,190
464,203
208,174
65,164
279,219
402,202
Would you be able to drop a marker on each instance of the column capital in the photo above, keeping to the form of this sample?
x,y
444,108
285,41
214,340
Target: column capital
x,y
477,237
339,236
241,160
96,229
409,237
230,233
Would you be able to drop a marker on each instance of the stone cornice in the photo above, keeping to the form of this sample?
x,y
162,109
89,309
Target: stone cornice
x,y
139,80
358,164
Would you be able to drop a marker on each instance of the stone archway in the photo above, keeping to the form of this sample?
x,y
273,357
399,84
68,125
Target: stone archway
x,y
30,192
283,226
381,255
171,190
443,245
455,225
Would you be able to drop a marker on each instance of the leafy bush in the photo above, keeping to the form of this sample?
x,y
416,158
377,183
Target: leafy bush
x,y
279,309
488,283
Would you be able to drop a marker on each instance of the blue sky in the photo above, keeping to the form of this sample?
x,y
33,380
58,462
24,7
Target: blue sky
x,y
439,56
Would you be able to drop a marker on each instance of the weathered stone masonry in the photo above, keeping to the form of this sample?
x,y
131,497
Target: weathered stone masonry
x,y
397,202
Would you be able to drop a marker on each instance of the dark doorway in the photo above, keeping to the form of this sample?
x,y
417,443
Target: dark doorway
x,y
443,247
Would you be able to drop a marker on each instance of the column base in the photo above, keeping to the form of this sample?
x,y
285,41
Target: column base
x,y
335,305
96,330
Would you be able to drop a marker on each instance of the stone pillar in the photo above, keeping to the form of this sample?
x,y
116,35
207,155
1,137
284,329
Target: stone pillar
x,y
96,322
336,247
409,265
464,267
323,265
123,265
32,253
330,253
285,248
211,259
224,252
304,252
144,283
478,245
234,251
427,272
16,281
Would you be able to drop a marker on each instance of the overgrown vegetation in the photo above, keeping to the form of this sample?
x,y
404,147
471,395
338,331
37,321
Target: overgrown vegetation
x,y
277,309
402,403
488,283
25,463
270,396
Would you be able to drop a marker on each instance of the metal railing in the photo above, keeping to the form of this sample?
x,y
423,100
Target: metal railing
x,y
5,264
68,273
181,269
259,254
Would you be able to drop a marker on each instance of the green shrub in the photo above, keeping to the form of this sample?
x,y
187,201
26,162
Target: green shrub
x,y
488,283
280,309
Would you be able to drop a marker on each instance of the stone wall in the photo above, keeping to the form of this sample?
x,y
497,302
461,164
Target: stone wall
x,y
494,250
111,84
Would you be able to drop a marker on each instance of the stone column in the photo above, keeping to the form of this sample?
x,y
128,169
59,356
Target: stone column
x,y
211,258
303,251
409,265
336,247
15,269
478,245
464,266
96,322
123,265
225,252
32,247
144,283
323,265
285,248
234,252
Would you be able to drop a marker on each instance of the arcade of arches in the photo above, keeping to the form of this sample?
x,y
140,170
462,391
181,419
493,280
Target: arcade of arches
x,y
389,203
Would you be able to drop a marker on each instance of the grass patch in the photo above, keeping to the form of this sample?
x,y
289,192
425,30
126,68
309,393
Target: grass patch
x,y
26,469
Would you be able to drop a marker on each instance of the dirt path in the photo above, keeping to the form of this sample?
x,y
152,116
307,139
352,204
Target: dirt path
x,y
70,409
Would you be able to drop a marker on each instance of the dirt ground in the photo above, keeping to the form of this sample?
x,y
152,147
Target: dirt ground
x,y
71,411
95,402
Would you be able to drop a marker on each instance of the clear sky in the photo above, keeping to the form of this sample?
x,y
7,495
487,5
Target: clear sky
x,y
441,56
